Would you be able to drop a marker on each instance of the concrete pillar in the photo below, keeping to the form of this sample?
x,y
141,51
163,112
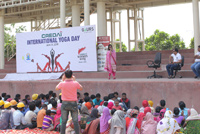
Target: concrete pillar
x,y
62,13
75,15
195,4
143,44
136,29
101,18
111,26
129,45
120,46
1,41
86,12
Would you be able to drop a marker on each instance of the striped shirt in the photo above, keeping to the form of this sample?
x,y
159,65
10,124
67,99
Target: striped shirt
x,y
47,121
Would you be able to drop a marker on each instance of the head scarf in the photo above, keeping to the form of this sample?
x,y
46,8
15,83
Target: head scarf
x,y
100,109
146,110
56,119
193,115
59,106
167,125
134,111
104,120
132,126
149,119
118,120
93,115
9,99
162,113
145,103
149,125
140,118
150,103
88,105
110,105
96,106
128,113
84,110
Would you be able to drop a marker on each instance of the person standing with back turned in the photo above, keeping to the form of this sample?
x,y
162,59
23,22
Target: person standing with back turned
x,y
68,88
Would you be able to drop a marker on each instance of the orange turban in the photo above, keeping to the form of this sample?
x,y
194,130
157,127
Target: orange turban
x,y
88,105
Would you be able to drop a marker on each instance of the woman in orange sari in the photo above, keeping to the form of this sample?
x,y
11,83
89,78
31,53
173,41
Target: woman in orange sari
x,y
111,61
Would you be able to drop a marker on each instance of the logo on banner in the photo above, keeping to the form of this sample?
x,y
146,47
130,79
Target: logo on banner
x,y
52,35
82,56
88,29
27,58
49,66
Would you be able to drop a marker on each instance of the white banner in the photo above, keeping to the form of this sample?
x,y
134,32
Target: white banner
x,y
57,50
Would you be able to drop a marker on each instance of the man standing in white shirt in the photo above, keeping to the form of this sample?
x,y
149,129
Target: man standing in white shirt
x,y
196,66
173,63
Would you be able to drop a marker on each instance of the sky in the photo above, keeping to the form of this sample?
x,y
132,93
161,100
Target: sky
x,y
172,19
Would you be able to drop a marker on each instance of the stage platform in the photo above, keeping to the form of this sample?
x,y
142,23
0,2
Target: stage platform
x,y
172,90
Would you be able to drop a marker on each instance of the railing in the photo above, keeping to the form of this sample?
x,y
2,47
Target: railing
x,y
55,23
12,3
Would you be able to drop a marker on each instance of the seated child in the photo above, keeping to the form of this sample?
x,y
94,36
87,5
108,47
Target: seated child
x,y
117,106
48,121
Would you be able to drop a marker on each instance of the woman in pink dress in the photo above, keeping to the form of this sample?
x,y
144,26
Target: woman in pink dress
x,y
111,61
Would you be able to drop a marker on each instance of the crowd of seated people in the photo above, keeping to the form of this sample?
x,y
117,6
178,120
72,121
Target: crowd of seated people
x,y
112,115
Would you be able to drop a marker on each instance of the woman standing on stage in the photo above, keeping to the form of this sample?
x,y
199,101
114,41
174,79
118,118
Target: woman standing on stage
x,y
111,61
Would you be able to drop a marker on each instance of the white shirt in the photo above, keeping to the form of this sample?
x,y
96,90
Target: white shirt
x,y
18,118
176,57
49,106
197,60
29,116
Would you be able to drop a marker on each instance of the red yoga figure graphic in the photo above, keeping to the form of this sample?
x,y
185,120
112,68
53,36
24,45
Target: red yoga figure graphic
x,y
47,64
57,63
58,67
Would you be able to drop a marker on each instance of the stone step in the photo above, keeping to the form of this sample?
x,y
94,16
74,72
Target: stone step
x,y
154,52
10,66
130,74
145,67
7,70
164,56
143,62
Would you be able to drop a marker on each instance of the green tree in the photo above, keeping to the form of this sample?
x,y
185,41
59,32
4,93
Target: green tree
x,y
192,43
139,45
163,41
124,48
10,40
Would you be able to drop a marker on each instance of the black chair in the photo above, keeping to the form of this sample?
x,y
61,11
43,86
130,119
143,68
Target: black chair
x,y
179,67
155,64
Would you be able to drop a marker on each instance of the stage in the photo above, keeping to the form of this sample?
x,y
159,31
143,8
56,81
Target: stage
x,y
172,90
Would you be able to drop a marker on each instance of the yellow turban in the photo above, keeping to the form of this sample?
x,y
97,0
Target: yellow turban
x,y
150,103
